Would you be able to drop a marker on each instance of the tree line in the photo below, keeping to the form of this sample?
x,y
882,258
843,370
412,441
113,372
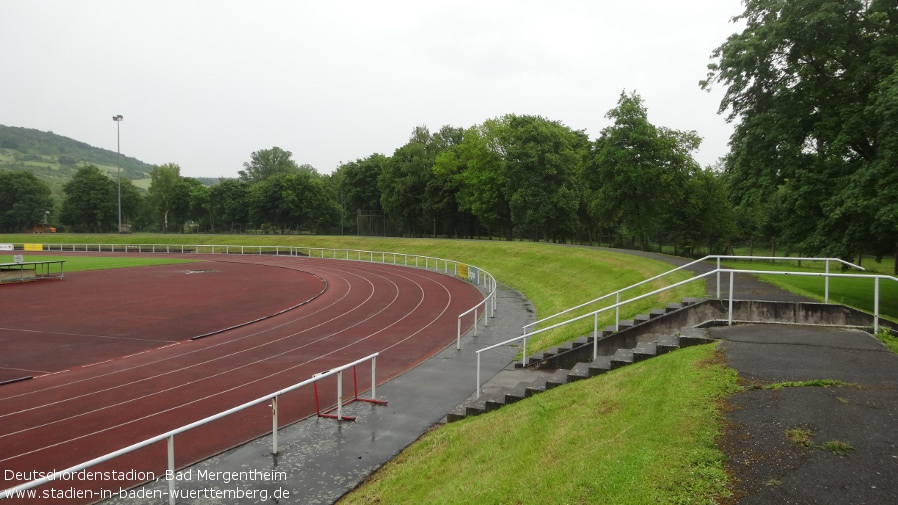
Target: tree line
x,y
513,177
811,85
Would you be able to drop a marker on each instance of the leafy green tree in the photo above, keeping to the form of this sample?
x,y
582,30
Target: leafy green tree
x,y
358,184
293,202
637,171
91,201
230,199
24,201
403,183
478,166
132,201
811,85
267,163
541,167
166,194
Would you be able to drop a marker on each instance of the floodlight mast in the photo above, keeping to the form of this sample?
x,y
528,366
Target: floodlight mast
x,y
118,165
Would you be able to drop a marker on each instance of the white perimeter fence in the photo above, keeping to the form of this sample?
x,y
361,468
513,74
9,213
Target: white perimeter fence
x,y
475,275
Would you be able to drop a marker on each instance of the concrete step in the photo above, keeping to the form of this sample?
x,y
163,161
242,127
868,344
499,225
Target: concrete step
x,y
621,358
644,351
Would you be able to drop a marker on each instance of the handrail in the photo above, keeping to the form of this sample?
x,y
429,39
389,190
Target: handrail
x,y
712,256
717,272
169,435
489,301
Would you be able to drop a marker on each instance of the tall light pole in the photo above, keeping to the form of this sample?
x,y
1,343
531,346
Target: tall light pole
x,y
118,165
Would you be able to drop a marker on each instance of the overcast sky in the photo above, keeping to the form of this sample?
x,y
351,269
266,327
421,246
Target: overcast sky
x,y
205,83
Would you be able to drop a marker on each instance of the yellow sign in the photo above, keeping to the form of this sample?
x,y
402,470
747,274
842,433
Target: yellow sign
x,y
463,271
34,247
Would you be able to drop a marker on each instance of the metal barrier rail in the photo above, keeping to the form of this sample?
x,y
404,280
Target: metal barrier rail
x,y
617,294
170,435
717,272
409,260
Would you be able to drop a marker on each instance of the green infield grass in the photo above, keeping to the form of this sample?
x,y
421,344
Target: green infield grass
x,y
81,263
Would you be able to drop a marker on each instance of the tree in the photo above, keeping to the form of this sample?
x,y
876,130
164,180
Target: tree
x,y
811,85
166,194
403,183
267,163
91,201
229,197
358,183
24,201
637,171
541,163
479,164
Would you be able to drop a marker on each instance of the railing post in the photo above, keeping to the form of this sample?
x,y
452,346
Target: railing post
x,y
718,278
373,377
274,425
595,336
876,306
525,352
826,285
340,395
475,321
730,314
458,337
478,375
617,312
171,470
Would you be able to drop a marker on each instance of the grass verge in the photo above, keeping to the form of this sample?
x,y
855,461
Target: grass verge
x,y
641,434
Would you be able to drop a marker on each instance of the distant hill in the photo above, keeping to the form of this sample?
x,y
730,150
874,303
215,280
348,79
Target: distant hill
x,y
54,159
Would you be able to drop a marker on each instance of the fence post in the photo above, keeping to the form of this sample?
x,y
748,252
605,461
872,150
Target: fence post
x,y
373,375
340,395
458,337
876,305
617,312
171,469
595,336
730,315
718,278
826,285
274,425
478,374
475,321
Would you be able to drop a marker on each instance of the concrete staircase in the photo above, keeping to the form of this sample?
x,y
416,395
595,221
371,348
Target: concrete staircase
x,y
564,356
566,363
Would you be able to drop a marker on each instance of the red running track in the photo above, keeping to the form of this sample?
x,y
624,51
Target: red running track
x,y
347,310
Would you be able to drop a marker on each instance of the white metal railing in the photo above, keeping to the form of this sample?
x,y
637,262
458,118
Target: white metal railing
x,y
617,294
475,275
169,436
594,314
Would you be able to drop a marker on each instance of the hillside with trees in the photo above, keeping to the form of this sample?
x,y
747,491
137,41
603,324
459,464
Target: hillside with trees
x,y
54,159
